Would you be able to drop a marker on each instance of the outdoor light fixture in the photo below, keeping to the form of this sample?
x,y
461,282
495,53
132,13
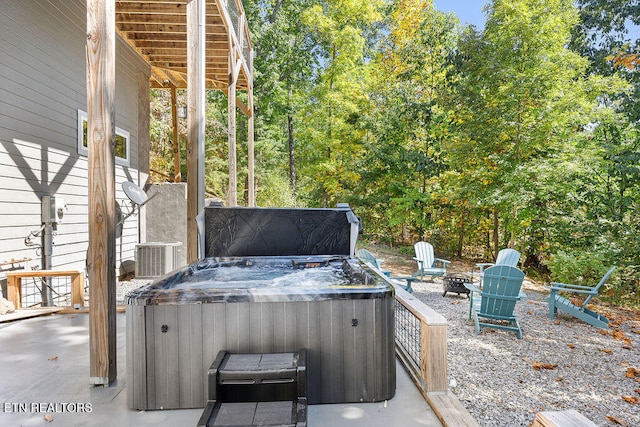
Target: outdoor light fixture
x,y
182,111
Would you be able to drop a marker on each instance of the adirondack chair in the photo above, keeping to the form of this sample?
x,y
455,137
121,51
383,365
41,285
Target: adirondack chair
x,y
493,305
371,259
367,256
556,301
506,256
427,262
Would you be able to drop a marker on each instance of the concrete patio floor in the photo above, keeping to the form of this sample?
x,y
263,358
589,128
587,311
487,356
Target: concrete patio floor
x,y
44,371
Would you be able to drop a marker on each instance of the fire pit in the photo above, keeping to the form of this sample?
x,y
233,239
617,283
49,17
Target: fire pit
x,y
455,283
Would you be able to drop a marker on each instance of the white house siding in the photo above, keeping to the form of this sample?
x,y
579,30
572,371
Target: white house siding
x,y
42,87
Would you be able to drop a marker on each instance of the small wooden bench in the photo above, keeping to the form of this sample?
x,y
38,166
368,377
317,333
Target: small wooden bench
x,y
569,418
14,284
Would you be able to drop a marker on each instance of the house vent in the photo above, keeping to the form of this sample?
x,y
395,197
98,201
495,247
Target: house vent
x,y
155,259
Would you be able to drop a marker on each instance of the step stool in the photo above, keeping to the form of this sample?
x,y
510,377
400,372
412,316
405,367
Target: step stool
x,y
257,389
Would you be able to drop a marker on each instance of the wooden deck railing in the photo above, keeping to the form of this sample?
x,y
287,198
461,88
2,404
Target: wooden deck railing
x,y
421,342
421,346
14,284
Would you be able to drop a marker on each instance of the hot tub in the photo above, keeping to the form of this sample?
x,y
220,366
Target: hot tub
x,y
330,304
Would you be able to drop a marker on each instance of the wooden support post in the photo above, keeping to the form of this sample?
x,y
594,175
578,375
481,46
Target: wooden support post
x,y
232,197
196,120
250,148
101,142
144,124
144,119
176,136
433,361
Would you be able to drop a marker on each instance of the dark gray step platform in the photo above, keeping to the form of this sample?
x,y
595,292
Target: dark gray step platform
x,y
279,413
236,377
257,389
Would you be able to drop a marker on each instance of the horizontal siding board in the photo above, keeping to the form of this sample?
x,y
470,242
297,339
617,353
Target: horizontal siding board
x,y
42,86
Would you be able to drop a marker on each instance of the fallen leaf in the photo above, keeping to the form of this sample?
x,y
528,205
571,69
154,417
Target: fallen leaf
x,y
632,372
530,313
539,365
559,379
48,418
618,334
630,399
606,350
637,390
617,420
53,358
571,345
603,332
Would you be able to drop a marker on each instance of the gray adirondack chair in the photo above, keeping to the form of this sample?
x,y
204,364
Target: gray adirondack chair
x,y
427,261
493,305
506,256
367,256
557,302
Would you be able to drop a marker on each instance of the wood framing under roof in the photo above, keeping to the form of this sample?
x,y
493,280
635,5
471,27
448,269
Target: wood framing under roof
x,y
157,30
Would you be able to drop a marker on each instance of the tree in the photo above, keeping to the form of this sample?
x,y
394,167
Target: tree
x,y
331,135
283,70
406,122
520,94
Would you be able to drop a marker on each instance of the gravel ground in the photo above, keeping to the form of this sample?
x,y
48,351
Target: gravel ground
x,y
123,287
579,367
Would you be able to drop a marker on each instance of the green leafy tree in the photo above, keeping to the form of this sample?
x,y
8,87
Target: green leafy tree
x,y
521,96
406,121
331,136
283,70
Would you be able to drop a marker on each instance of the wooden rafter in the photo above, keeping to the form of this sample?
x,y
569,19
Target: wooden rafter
x,y
157,30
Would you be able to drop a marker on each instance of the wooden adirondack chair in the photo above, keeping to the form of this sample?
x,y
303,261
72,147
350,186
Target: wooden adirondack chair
x,y
556,301
507,256
371,259
493,306
367,256
426,261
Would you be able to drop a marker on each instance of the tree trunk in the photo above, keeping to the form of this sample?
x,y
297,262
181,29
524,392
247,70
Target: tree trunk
x,y
512,238
460,238
496,223
292,154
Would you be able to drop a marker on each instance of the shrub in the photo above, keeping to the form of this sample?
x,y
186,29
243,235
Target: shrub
x,y
582,268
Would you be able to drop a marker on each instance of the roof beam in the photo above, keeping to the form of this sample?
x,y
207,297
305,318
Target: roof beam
x,y
167,28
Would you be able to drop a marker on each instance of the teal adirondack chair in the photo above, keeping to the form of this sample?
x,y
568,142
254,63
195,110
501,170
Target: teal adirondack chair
x,y
427,262
367,256
371,259
493,305
506,256
557,302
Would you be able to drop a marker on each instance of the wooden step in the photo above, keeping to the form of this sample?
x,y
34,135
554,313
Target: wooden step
x,y
569,418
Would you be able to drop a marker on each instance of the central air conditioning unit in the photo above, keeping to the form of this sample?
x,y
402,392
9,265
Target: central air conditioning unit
x,y
155,259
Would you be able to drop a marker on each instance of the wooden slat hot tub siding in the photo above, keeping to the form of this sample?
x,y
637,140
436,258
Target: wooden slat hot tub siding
x,y
345,363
